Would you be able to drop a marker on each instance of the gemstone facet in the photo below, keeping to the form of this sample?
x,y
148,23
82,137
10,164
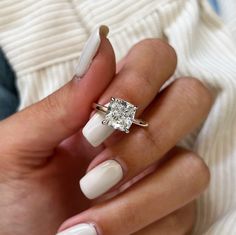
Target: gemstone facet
x,y
120,114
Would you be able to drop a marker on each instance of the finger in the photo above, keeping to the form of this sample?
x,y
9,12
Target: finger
x,y
179,222
176,183
147,66
45,124
178,110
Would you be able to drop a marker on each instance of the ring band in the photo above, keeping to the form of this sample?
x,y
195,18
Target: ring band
x,y
119,114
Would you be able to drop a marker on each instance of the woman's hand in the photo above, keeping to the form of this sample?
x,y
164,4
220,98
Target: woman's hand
x,y
43,153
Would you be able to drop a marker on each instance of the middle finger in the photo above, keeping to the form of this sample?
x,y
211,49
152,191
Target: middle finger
x,y
173,185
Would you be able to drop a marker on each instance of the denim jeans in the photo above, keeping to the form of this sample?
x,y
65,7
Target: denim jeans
x,y
8,92
215,5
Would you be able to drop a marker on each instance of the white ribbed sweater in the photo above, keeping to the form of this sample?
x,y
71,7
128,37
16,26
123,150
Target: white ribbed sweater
x,y
43,40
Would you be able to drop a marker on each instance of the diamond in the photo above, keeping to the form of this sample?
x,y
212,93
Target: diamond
x,y
120,114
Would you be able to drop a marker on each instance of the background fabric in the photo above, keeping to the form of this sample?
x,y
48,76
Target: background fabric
x,y
43,40
8,93
9,99
228,14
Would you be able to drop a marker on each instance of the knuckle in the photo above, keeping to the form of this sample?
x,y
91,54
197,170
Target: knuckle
x,y
130,91
154,143
158,47
51,105
150,138
194,90
145,80
53,108
168,50
198,169
130,214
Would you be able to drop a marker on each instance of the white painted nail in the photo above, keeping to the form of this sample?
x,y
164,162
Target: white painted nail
x,y
101,178
96,132
80,229
90,49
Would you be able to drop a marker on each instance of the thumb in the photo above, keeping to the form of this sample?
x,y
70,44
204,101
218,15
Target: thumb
x,y
42,126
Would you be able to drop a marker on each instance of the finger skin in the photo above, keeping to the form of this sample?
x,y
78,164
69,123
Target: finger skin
x,y
43,125
180,222
146,67
178,110
179,181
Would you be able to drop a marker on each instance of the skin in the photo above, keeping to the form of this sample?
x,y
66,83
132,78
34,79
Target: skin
x,y
43,153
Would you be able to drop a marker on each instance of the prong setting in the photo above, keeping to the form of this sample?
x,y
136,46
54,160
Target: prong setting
x,y
126,131
120,114
104,122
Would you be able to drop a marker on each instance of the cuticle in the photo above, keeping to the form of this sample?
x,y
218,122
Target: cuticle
x,y
76,78
97,228
122,163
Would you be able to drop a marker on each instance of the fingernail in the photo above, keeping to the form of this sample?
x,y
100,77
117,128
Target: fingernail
x,y
90,49
80,229
96,132
101,178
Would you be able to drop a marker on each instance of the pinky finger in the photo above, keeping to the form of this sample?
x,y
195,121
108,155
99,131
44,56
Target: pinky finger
x,y
180,222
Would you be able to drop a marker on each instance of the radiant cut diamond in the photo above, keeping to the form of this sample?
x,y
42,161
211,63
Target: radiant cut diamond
x,y
120,114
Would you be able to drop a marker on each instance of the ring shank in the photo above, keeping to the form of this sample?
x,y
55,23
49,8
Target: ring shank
x,y
104,109
99,107
140,122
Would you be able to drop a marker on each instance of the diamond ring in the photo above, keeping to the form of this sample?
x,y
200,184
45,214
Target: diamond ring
x,y
119,114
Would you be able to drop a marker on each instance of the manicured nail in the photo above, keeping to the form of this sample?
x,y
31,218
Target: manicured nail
x,y
80,229
95,132
90,49
101,178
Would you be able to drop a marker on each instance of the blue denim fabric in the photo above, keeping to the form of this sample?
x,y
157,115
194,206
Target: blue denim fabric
x,y
215,5
8,92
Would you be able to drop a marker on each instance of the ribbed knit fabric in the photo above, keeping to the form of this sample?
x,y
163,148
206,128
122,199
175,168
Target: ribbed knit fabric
x,y
228,13
43,40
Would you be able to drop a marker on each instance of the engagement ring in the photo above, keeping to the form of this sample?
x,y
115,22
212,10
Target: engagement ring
x,y
119,114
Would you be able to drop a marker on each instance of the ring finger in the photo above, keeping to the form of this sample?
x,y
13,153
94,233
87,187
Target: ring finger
x,y
147,66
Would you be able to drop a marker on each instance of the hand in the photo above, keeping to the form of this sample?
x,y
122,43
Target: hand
x,y
175,176
43,153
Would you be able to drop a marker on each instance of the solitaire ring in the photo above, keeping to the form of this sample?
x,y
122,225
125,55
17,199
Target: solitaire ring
x,y
119,114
